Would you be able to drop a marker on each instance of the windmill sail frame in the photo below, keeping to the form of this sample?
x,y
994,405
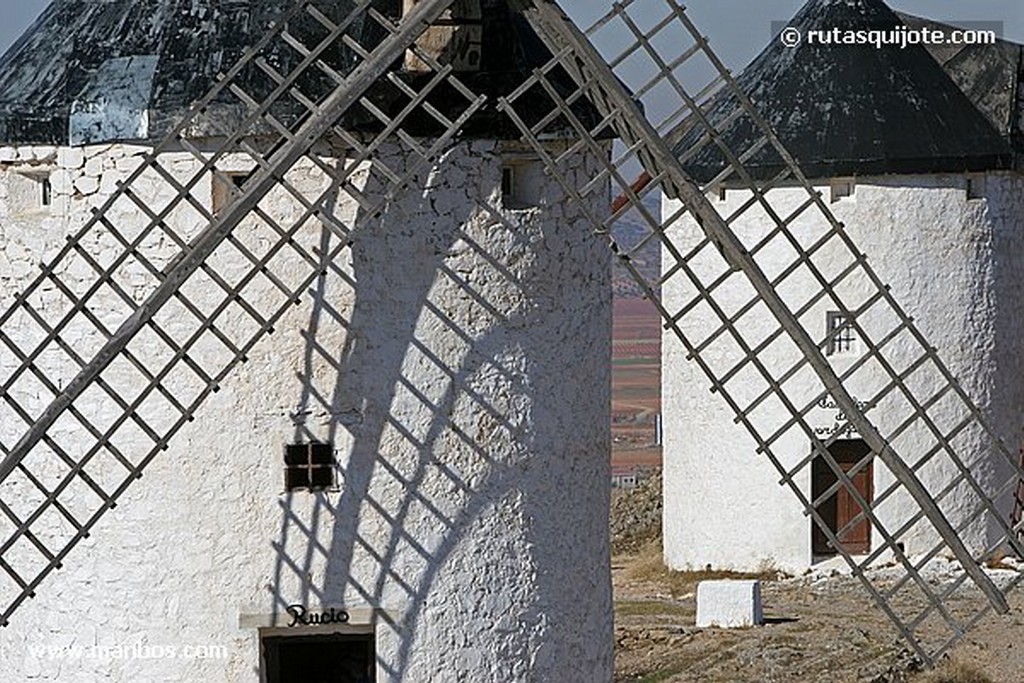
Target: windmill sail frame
x,y
922,614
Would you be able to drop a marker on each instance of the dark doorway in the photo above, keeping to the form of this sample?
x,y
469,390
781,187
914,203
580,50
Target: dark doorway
x,y
839,509
333,658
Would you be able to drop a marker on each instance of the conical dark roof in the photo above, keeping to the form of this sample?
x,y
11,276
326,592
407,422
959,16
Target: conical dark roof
x,y
854,109
103,70
991,75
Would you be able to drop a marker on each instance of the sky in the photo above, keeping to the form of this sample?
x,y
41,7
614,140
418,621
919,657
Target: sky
x,y
738,29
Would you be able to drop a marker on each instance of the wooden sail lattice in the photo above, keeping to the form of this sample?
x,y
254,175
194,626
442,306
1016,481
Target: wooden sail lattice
x,y
158,353
749,319
165,353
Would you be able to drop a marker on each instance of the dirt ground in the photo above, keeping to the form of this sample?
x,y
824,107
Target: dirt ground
x,y
818,629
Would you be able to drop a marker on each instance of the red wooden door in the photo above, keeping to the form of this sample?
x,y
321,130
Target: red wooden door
x,y
840,508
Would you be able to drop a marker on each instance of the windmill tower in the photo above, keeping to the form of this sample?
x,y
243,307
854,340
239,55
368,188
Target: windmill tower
x,y
937,205
406,480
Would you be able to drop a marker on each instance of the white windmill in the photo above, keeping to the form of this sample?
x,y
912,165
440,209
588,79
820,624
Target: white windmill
x,y
936,204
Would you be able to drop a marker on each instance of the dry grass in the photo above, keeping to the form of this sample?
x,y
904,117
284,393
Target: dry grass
x,y
651,608
955,672
648,567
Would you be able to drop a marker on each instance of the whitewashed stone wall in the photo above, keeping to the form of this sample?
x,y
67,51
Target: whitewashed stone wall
x,y
956,265
457,357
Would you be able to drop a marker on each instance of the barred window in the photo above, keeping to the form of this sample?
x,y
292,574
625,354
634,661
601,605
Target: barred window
x,y
842,338
309,466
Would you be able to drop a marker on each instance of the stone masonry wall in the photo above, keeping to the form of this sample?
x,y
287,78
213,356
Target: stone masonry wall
x,y
457,358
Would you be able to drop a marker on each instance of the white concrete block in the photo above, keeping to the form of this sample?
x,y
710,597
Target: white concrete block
x,y
729,604
8,153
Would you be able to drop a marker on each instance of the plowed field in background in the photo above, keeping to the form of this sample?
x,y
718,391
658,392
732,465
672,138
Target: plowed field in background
x,y
636,383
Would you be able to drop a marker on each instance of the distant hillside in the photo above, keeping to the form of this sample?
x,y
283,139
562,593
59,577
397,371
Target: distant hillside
x,y
629,231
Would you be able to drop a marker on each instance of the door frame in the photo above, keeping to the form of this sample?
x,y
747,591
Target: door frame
x,y
840,508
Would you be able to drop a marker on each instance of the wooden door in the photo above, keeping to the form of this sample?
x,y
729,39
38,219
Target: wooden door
x,y
841,507
326,658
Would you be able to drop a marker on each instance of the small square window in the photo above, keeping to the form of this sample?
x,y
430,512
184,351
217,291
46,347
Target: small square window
x,y
309,466
976,186
522,182
842,339
841,189
30,191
